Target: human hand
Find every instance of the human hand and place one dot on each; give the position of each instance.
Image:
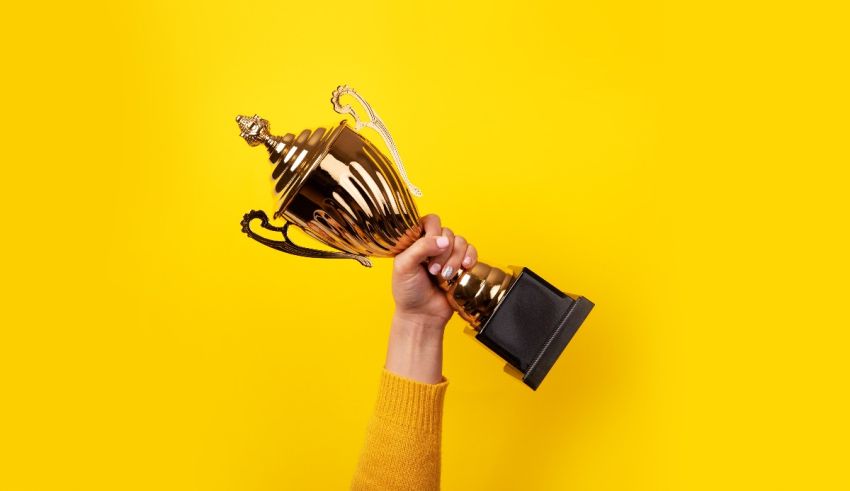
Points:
(440, 251)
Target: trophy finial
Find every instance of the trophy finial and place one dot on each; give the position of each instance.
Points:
(255, 130)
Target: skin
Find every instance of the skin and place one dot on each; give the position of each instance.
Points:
(415, 348)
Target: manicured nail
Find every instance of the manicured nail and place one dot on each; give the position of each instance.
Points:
(434, 268)
(442, 241)
(447, 272)
(467, 261)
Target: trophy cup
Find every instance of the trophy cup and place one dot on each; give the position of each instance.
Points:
(340, 189)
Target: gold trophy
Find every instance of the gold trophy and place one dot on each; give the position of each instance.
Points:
(340, 189)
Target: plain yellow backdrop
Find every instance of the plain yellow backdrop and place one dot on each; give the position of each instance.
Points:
(683, 165)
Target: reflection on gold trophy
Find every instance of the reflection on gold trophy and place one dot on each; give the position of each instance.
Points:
(339, 188)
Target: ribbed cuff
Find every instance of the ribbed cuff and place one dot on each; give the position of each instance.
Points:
(410, 403)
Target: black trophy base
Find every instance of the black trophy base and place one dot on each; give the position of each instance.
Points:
(532, 325)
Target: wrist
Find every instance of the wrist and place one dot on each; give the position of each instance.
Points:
(415, 349)
(417, 321)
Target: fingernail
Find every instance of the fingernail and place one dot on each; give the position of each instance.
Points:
(467, 261)
(434, 268)
(447, 273)
(442, 241)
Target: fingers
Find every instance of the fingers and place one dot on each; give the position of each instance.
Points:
(471, 257)
(431, 225)
(437, 263)
(409, 260)
(455, 258)
(443, 257)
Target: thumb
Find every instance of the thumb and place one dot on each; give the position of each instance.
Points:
(410, 259)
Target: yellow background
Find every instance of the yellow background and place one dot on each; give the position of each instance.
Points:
(682, 165)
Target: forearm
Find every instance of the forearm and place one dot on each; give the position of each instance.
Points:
(415, 348)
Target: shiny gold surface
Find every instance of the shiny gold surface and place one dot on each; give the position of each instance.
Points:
(343, 191)
(292, 157)
(475, 293)
(353, 200)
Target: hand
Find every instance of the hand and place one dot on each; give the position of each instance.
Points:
(417, 296)
(422, 311)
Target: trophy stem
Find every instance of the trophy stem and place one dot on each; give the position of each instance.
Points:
(474, 293)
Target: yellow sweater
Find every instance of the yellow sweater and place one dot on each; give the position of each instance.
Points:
(402, 449)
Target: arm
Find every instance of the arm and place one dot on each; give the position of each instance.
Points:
(402, 448)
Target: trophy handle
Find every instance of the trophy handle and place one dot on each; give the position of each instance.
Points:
(376, 124)
(287, 245)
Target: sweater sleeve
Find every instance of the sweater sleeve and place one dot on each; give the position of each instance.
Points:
(402, 449)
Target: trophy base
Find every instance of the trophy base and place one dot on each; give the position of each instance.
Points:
(532, 325)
